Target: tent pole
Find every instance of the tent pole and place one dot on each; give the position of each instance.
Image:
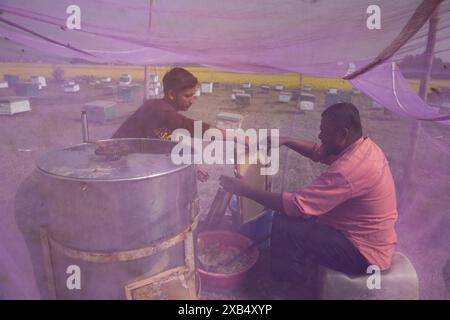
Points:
(145, 82)
(416, 125)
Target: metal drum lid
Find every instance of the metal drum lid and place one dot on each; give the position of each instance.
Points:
(136, 159)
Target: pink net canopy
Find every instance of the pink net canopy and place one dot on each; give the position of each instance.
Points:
(323, 38)
(320, 38)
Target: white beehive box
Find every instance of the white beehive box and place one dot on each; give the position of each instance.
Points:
(333, 90)
(306, 88)
(206, 87)
(101, 110)
(154, 84)
(265, 89)
(39, 80)
(284, 97)
(3, 84)
(125, 79)
(12, 105)
(227, 120)
(279, 87)
(153, 92)
(71, 87)
(242, 99)
(306, 102)
(105, 79)
(246, 85)
(234, 92)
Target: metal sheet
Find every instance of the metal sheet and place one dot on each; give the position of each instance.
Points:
(142, 159)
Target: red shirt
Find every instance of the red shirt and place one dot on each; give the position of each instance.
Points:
(155, 119)
(355, 195)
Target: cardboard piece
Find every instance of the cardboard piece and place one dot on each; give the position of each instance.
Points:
(249, 210)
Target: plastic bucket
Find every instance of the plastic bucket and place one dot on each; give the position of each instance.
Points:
(219, 280)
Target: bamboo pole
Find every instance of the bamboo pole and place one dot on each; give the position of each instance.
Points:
(416, 125)
(146, 82)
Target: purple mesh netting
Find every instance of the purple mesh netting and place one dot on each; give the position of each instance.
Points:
(387, 85)
(311, 37)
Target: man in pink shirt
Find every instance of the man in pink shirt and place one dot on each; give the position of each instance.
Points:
(344, 219)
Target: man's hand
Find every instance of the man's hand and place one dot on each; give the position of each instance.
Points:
(236, 186)
(239, 187)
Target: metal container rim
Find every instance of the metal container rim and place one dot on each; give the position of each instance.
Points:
(90, 180)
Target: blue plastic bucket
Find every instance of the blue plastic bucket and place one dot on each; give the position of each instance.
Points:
(256, 229)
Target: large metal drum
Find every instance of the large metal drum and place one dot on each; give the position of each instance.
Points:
(120, 218)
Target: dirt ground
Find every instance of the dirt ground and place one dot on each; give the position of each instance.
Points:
(424, 217)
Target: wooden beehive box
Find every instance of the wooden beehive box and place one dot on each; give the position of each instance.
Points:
(12, 105)
(101, 110)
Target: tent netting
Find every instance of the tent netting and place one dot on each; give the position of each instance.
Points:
(320, 38)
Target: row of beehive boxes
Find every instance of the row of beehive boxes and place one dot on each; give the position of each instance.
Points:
(207, 87)
(303, 97)
(125, 87)
(32, 86)
(28, 87)
(13, 80)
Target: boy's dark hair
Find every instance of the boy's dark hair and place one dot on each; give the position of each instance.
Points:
(344, 115)
(178, 79)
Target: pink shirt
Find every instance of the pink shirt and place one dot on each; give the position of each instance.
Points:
(356, 195)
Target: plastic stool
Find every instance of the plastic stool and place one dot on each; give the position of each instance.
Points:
(400, 282)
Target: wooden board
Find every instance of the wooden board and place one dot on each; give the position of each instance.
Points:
(248, 209)
(217, 210)
(174, 284)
